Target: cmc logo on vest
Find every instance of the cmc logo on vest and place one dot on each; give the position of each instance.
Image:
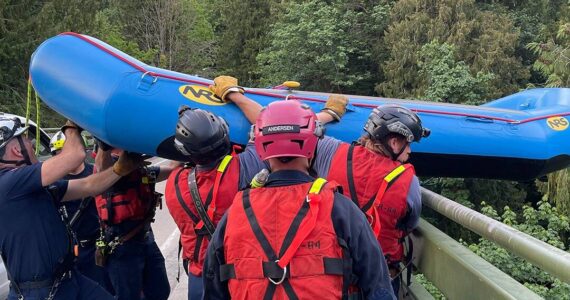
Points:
(200, 94)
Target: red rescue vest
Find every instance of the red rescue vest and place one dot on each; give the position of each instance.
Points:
(130, 198)
(379, 186)
(216, 200)
(280, 243)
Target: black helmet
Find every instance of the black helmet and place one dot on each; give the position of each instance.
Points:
(201, 135)
(387, 119)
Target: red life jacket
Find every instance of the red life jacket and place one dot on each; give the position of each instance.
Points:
(380, 188)
(130, 198)
(194, 238)
(280, 242)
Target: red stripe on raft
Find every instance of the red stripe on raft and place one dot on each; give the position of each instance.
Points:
(293, 97)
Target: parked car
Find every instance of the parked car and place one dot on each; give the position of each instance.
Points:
(42, 154)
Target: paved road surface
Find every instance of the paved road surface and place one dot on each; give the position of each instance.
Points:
(167, 234)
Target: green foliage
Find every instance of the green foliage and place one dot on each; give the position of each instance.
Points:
(545, 223)
(554, 56)
(432, 289)
(240, 28)
(24, 25)
(484, 40)
(557, 190)
(111, 34)
(448, 80)
(316, 43)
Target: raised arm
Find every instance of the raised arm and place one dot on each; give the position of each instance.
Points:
(227, 89)
(102, 180)
(334, 110)
(249, 107)
(71, 156)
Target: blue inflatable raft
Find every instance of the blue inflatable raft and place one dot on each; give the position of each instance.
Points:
(131, 105)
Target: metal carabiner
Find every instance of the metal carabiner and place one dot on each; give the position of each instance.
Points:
(282, 277)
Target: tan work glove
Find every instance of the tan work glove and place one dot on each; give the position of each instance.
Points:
(223, 85)
(336, 106)
(69, 124)
(128, 162)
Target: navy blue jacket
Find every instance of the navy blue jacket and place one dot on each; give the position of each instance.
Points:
(33, 237)
(349, 223)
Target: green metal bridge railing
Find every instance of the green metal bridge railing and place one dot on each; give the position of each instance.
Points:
(460, 274)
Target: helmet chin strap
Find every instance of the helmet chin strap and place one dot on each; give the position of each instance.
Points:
(393, 155)
(25, 161)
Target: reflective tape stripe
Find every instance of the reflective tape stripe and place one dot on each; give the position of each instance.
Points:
(224, 164)
(397, 171)
(317, 186)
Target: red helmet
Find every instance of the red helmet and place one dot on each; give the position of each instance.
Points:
(287, 129)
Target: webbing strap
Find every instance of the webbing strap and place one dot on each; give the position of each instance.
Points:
(207, 221)
(370, 208)
(386, 183)
(308, 224)
(190, 214)
(298, 231)
(350, 175)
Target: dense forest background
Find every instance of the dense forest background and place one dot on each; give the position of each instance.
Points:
(455, 51)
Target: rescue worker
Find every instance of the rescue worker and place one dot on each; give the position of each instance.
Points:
(83, 219)
(219, 173)
(127, 248)
(391, 201)
(35, 243)
(373, 173)
(296, 237)
(198, 193)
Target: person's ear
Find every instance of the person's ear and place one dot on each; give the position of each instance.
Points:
(14, 149)
(393, 143)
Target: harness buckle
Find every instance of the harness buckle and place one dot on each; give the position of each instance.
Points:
(282, 277)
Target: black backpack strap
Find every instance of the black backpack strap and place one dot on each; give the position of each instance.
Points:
(350, 175)
(190, 214)
(197, 200)
(77, 215)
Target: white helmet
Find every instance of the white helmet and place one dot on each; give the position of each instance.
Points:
(56, 142)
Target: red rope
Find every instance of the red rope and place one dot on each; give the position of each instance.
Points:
(293, 97)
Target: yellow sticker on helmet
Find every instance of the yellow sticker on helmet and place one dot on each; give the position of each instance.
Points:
(200, 94)
(557, 123)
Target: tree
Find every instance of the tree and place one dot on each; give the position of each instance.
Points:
(240, 28)
(448, 80)
(325, 45)
(546, 224)
(554, 56)
(484, 40)
(24, 25)
(176, 30)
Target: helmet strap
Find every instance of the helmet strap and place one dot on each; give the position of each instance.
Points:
(25, 153)
(26, 159)
(393, 155)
